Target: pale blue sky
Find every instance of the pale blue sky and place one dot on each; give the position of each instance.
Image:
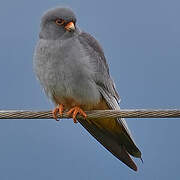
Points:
(141, 40)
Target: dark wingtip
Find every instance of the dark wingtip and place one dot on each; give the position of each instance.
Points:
(135, 169)
(125, 158)
(141, 160)
(133, 166)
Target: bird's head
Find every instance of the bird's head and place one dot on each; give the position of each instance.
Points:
(58, 22)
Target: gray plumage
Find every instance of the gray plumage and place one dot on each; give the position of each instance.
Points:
(71, 64)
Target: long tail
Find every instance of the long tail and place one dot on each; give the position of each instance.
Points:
(109, 141)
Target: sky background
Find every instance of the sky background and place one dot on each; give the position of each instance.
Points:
(141, 40)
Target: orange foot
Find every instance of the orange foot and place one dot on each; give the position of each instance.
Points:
(74, 111)
(59, 109)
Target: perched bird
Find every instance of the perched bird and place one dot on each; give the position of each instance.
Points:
(71, 67)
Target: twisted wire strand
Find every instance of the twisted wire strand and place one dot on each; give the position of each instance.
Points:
(127, 113)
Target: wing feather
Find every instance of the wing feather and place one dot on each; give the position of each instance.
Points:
(123, 142)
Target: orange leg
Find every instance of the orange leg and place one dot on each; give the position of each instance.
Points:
(59, 109)
(74, 111)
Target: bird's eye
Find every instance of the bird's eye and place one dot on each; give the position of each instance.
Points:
(59, 22)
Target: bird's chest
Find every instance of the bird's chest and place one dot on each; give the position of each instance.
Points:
(64, 71)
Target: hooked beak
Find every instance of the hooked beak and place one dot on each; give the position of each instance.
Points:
(70, 26)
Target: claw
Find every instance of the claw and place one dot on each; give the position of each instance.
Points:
(59, 109)
(74, 111)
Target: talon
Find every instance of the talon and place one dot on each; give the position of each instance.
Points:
(57, 110)
(54, 112)
(74, 111)
(61, 109)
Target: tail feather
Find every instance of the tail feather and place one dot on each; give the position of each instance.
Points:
(109, 142)
(125, 158)
(129, 144)
(125, 138)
